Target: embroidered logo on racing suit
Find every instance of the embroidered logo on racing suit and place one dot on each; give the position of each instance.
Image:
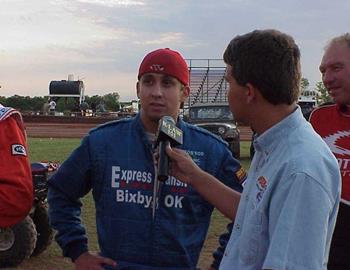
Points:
(131, 186)
(241, 175)
(339, 144)
(333, 142)
(18, 150)
(129, 176)
(2, 110)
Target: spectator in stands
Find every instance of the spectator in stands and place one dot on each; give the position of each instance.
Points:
(141, 223)
(286, 214)
(16, 188)
(332, 122)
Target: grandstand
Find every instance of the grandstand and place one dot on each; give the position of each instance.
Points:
(207, 81)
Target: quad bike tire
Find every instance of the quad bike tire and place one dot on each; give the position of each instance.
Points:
(43, 228)
(17, 243)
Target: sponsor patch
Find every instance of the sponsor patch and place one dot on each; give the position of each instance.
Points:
(18, 149)
(241, 175)
(338, 142)
(261, 183)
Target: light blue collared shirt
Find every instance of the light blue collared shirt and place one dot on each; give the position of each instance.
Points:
(289, 204)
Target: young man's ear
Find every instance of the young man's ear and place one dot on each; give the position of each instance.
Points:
(251, 93)
(185, 91)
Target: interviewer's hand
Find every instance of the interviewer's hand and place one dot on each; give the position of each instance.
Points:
(92, 261)
(182, 166)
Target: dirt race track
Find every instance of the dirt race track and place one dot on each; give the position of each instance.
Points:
(58, 130)
(52, 128)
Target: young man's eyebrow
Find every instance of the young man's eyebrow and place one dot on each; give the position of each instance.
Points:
(147, 76)
(166, 76)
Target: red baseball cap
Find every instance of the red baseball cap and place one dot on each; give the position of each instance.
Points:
(165, 61)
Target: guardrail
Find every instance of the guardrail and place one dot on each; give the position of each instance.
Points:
(78, 127)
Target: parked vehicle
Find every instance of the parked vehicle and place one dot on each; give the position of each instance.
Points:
(218, 119)
(33, 235)
(307, 102)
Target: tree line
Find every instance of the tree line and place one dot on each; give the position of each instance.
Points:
(322, 93)
(109, 102)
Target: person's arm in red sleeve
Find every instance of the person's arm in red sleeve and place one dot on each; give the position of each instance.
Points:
(16, 187)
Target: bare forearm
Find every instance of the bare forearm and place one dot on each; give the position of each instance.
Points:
(222, 197)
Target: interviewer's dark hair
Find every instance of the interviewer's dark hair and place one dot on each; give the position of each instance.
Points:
(270, 61)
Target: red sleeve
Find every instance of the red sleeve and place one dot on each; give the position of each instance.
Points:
(16, 186)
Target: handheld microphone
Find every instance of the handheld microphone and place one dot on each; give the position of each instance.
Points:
(168, 133)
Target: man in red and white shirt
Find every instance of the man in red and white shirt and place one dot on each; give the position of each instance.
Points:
(332, 123)
(16, 187)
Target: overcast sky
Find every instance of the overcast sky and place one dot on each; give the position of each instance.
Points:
(102, 42)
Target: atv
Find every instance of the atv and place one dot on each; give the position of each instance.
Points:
(32, 235)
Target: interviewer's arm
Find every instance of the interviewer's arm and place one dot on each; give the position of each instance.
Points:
(222, 197)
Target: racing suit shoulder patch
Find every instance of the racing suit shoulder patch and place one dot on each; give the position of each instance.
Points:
(241, 175)
(18, 150)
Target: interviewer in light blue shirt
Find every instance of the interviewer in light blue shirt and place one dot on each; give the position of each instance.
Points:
(285, 217)
(287, 211)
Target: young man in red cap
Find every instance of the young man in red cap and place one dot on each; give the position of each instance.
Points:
(16, 187)
(332, 122)
(141, 223)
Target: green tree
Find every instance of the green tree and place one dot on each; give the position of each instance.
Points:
(3, 101)
(26, 103)
(67, 104)
(94, 101)
(323, 93)
(23, 103)
(112, 101)
(304, 84)
(19, 102)
(36, 103)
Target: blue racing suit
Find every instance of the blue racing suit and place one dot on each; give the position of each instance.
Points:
(115, 160)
